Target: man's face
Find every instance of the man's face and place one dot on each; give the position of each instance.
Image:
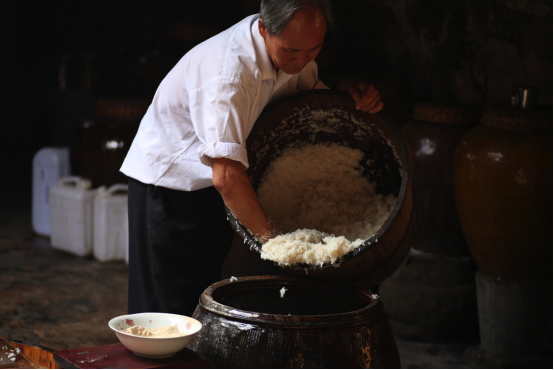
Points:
(299, 43)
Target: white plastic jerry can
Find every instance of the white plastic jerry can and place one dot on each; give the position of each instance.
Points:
(111, 238)
(49, 165)
(71, 212)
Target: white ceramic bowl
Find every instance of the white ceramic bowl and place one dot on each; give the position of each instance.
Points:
(150, 346)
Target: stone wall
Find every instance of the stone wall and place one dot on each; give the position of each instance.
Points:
(464, 51)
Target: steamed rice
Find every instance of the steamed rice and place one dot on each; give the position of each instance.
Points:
(323, 207)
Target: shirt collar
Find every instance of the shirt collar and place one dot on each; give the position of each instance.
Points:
(266, 68)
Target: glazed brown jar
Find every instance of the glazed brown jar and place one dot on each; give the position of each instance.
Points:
(102, 143)
(278, 322)
(433, 134)
(503, 185)
(329, 117)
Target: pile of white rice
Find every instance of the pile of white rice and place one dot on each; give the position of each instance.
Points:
(318, 199)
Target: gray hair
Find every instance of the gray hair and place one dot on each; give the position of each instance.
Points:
(276, 14)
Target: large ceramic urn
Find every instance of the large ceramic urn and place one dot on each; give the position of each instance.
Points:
(330, 117)
(281, 322)
(433, 134)
(503, 185)
(101, 144)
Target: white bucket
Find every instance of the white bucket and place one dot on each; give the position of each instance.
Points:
(111, 238)
(71, 212)
(49, 165)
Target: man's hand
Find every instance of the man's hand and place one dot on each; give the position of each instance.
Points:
(232, 182)
(367, 98)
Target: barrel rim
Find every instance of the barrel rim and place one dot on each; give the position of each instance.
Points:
(208, 303)
(401, 147)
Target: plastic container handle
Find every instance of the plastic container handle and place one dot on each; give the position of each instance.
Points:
(117, 187)
(112, 189)
(79, 182)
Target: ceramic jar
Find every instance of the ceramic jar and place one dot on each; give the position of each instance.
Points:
(433, 134)
(282, 322)
(503, 185)
(330, 117)
(101, 144)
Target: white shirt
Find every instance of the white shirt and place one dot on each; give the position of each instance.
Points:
(206, 106)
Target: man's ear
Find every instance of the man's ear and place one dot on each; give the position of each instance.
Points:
(262, 29)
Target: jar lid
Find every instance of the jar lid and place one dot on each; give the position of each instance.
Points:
(449, 114)
(510, 118)
(122, 108)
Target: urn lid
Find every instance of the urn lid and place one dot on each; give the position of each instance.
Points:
(449, 114)
(510, 118)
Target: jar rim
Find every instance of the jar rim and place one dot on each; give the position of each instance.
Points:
(209, 303)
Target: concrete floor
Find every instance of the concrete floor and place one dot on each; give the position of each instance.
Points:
(55, 300)
(50, 298)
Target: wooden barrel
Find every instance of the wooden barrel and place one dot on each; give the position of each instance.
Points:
(248, 323)
(328, 116)
(102, 143)
(503, 186)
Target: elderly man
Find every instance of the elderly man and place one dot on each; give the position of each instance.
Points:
(188, 158)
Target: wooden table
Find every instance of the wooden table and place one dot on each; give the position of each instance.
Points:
(26, 356)
(116, 356)
(111, 356)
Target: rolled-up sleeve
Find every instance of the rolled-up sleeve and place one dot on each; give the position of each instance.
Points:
(232, 151)
(219, 113)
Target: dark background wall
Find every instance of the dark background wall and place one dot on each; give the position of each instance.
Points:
(58, 57)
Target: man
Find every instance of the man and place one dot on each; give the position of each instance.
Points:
(188, 158)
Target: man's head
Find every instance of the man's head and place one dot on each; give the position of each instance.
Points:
(293, 31)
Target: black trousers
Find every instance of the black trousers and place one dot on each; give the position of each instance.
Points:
(178, 241)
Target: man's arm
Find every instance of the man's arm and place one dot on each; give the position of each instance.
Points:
(232, 182)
